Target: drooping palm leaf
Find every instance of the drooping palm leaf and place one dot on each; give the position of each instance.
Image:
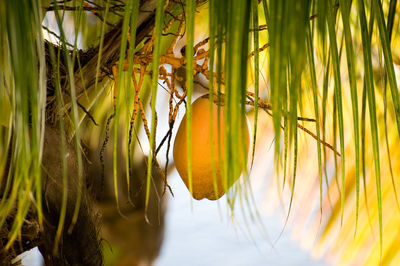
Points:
(303, 44)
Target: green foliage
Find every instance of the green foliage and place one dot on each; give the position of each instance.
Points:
(303, 40)
(23, 90)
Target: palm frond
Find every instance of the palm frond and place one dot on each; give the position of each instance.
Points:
(134, 44)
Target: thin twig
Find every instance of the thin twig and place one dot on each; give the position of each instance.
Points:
(87, 113)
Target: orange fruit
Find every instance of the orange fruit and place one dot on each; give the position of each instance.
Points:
(202, 165)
